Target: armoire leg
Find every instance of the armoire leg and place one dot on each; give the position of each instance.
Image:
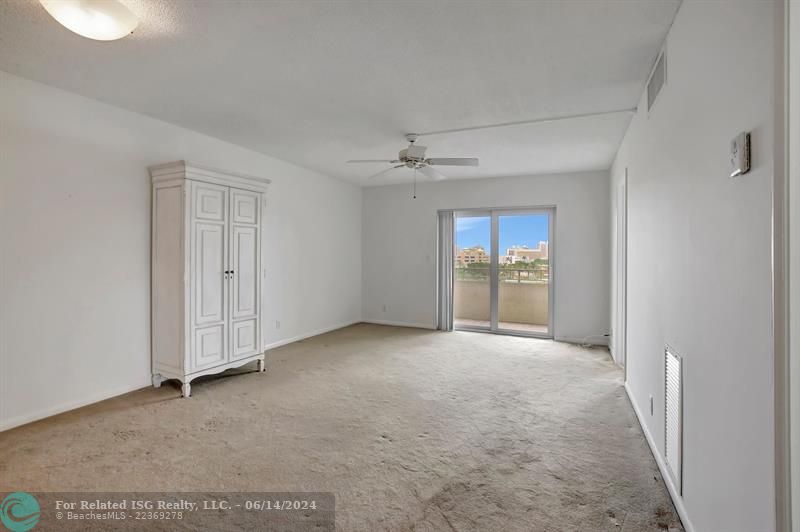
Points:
(262, 365)
(157, 380)
(186, 390)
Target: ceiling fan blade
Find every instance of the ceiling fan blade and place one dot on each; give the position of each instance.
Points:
(453, 161)
(432, 173)
(370, 161)
(373, 176)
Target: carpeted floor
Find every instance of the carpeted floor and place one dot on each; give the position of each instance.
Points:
(411, 429)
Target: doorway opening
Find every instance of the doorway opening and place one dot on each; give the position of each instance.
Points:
(503, 271)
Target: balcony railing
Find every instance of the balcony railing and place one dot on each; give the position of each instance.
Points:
(538, 274)
(523, 295)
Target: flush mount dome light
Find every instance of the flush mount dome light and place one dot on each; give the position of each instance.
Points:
(102, 20)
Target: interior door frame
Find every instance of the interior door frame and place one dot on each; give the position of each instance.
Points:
(791, 355)
(786, 267)
(494, 215)
(619, 339)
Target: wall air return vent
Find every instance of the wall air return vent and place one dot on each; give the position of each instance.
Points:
(657, 79)
(673, 416)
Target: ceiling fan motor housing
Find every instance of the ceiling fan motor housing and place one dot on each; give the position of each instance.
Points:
(414, 153)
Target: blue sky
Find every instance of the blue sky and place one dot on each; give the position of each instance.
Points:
(518, 230)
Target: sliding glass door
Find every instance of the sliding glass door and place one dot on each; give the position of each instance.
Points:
(503, 271)
(472, 307)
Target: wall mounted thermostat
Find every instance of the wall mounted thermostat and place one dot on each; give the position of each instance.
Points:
(740, 154)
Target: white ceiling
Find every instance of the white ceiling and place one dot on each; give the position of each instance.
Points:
(318, 83)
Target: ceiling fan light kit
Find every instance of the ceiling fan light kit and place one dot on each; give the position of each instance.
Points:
(413, 152)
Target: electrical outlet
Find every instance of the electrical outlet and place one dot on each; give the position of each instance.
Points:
(277, 324)
(651, 405)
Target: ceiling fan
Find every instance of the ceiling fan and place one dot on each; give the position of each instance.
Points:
(413, 158)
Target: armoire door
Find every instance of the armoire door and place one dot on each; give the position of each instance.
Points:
(245, 252)
(209, 296)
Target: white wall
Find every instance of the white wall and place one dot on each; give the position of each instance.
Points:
(699, 260)
(75, 218)
(400, 245)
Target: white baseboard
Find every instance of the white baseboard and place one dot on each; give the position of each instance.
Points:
(677, 500)
(400, 324)
(598, 341)
(72, 405)
(303, 336)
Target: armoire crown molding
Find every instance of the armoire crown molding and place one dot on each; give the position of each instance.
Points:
(186, 170)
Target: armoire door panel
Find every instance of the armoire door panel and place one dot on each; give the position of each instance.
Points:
(244, 263)
(209, 203)
(209, 264)
(244, 207)
(244, 336)
(209, 346)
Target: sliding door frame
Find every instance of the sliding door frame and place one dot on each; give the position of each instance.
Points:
(494, 215)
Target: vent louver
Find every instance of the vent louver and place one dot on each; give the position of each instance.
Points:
(673, 416)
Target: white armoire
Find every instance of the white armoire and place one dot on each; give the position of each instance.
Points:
(206, 271)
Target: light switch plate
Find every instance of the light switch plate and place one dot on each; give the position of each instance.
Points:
(740, 154)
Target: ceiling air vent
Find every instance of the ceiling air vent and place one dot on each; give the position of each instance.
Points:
(657, 79)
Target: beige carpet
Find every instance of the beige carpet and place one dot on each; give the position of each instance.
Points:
(411, 429)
